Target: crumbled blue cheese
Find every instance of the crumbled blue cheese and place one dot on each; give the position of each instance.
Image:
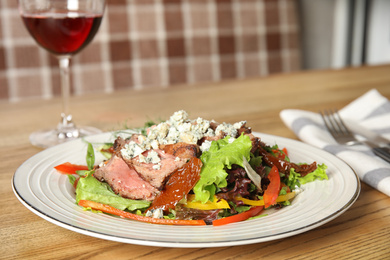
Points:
(179, 116)
(226, 128)
(205, 146)
(132, 150)
(178, 129)
(238, 125)
(155, 213)
(152, 157)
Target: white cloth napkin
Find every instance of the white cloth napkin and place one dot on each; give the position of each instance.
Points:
(371, 111)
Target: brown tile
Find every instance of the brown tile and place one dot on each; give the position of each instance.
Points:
(116, 2)
(91, 54)
(203, 71)
(92, 81)
(201, 46)
(56, 83)
(27, 57)
(274, 63)
(53, 61)
(18, 30)
(292, 41)
(250, 43)
(248, 18)
(173, 19)
(143, 2)
(122, 77)
(177, 72)
(118, 22)
(271, 13)
(273, 41)
(226, 44)
(172, 1)
(228, 68)
(175, 47)
(2, 59)
(224, 16)
(148, 49)
(200, 19)
(223, 1)
(29, 86)
(145, 20)
(294, 61)
(4, 93)
(120, 50)
(1, 30)
(151, 75)
(251, 67)
(11, 3)
(292, 12)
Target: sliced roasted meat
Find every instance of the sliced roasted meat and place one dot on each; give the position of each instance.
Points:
(124, 180)
(157, 173)
(182, 150)
(119, 144)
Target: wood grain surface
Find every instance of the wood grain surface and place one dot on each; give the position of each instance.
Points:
(362, 232)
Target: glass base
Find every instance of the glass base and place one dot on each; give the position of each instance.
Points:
(49, 138)
(65, 131)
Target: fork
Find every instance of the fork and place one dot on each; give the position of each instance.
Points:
(343, 135)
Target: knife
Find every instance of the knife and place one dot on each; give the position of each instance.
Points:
(382, 152)
(379, 145)
(367, 134)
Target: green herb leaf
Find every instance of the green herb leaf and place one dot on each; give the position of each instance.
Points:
(90, 157)
(71, 178)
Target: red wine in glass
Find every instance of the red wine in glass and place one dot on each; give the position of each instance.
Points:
(63, 28)
(62, 33)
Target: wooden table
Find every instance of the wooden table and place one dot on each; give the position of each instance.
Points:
(362, 231)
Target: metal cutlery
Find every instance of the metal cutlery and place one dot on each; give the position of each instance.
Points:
(343, 135)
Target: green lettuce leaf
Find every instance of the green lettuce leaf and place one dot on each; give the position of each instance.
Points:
(318, 174)
(221, 155)
(89, 188)
(295, 179)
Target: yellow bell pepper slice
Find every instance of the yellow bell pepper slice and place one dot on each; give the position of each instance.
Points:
(281, 198)
(216, 204)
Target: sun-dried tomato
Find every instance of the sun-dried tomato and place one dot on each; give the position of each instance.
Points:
(178, 185)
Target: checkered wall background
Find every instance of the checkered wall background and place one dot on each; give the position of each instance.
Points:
(156, 43)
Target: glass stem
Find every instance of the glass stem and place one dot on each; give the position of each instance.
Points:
(66, 128)
(65, 84)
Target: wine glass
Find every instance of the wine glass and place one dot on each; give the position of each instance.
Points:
(64, 28)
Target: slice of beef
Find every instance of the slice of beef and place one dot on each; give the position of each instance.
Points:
(157, 174)
(119, 144)
(182, 150)
(124, 180)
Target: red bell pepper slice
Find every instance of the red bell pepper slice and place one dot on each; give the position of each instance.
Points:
(254, 211)
(114, 211)
(273, 189)
(280, 154)
(69, 168)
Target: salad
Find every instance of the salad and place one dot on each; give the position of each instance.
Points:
(189, 172)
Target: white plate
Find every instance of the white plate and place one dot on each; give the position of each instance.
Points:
(50, 195)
